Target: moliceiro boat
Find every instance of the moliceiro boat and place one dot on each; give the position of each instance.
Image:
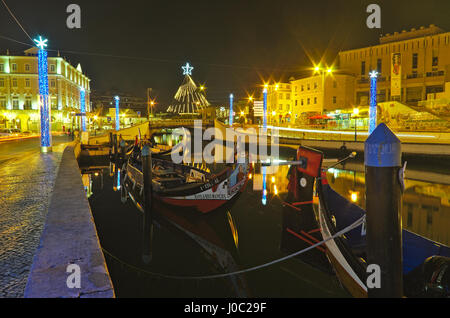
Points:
(426, 264)
(182, 185)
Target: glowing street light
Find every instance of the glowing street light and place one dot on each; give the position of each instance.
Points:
(355, 115)
(117, 99)
(231, 110)
(373, 101)
(44, 109)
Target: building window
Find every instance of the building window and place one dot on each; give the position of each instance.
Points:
(334, 84)
(27, 67)
(379, 66)
(302, 102)
(281, 95)
(414, 60)
(27, 82)
(2, 82)
(52, 68)
(435, 61)
(2, 103)
(315, 100)
(14, 67)
(54, 103)
(2, 67)
(303, 88)
(315, 85)
(52, 83)
(14, 82)
(27, 104)
(296, 102)
(363, 68)
(308, 87)
(409, 220)
(15, 103)
(308, 101)
(288, 96)
(334, 99)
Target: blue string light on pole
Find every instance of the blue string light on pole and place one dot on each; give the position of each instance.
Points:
(83, 108)
(265, 108)
(44, 107)
(231, 110)
(373, 101)
(117, 99)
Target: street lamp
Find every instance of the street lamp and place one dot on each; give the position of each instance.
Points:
(373, 101)
(355, 115)
(328, 71)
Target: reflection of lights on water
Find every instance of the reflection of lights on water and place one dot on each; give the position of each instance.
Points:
(233, 229)
(275, 190)
(273, 179)
(250, 176)
(96, 174)
(264, 198)
(118, 179)
(354, 196)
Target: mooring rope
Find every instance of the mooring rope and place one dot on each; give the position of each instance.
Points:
(341, 232)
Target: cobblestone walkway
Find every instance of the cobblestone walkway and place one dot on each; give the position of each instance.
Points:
(26, 183)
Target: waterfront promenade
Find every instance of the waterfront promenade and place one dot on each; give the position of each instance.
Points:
(26, 183)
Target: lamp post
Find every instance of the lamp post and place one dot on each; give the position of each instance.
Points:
(117, 99)
(265, 107)
(231, 110)
(373, 101)
(44, 109)
(149, 103)
(83, 109)
(355, 115)
(323, 72)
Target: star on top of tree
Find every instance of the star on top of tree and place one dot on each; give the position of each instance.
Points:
(187, 69)
(41, 43)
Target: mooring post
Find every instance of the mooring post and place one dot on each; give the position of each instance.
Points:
(148, 216)
(382, 159)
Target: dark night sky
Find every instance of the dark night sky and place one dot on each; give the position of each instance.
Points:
(233, 44)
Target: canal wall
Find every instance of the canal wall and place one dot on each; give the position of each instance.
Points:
(69, 237)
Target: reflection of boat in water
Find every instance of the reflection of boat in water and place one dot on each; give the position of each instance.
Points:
(182, 185)
(220, 243)
(426, 264)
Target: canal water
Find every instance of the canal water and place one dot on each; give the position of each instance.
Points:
(247, 232)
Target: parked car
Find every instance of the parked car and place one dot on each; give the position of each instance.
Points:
(6, 132)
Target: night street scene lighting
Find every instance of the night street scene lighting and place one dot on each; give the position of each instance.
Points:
(224, 157)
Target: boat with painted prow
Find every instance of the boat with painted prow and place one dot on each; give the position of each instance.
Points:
(426, 264)
(183, 185)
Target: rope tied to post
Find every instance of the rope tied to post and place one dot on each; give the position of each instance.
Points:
(250, 269)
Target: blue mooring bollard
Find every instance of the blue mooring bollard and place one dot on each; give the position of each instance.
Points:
(148, 217)
(382, 159)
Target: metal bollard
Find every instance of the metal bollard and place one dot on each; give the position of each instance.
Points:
(148, 215)
(383, 205)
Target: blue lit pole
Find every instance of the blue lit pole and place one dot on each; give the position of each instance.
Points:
(83, 109)
(231, 110)
(265, 108)
(117, 99)
(373, 102)
(44, 107)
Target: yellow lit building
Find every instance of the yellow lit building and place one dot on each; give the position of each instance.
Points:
(322, 93)
(279, 105)
(19, 91)
(411, 65)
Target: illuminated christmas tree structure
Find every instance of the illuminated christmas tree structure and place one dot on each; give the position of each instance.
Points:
(189, 99)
